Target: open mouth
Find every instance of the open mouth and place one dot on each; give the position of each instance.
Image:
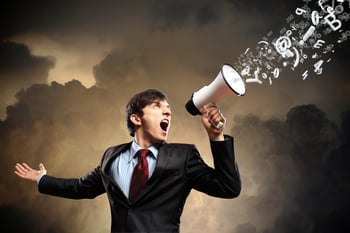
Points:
(164, 124)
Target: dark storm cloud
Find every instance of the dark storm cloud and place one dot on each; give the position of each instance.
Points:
(55, 102)
(35, 16)
(310, 133)
(308, 156)
(17, 17)
(17, 58)
(67, 127)
(176, 14)
(263, 6)
(259, 17)
(92, 16)
(169, 15)
(117, 67)
(20, 69)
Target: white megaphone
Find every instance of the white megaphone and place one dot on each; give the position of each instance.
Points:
(227, 82)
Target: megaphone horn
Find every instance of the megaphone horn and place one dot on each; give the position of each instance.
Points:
(227, 82)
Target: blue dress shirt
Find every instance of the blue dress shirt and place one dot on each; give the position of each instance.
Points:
(123, 166)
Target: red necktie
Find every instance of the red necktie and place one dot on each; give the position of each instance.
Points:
(139, 176)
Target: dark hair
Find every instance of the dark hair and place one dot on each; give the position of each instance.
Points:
(138, 102)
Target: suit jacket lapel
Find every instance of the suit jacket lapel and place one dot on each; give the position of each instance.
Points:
(111, 154)
(163, 158)
(106, 166)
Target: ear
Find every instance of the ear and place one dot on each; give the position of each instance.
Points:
(135, 119)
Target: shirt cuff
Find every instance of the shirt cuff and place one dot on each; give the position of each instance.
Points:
(39, 178)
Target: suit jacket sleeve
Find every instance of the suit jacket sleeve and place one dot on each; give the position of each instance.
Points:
(221, 181)
(88, 186)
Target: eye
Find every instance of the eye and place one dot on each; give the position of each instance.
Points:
(156, 105)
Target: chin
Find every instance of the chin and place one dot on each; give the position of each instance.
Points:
(161, 139)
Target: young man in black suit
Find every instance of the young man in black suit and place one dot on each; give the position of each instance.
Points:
(170, 170)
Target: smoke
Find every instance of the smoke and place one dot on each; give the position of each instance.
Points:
(298, 172)
(173, 15)
(67, 127)
(121, 68)
(20, 69)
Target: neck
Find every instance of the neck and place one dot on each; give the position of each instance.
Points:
(142, 143)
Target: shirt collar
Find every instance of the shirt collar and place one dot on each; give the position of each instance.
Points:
(135, 148)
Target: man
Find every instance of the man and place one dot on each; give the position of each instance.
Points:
(171, 170)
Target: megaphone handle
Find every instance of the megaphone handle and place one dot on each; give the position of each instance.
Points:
(220, 124)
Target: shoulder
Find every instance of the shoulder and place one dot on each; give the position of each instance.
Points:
(178, 145)
(179, 148)
(113, 151)
(118, 148)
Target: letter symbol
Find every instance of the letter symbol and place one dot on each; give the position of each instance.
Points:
(332, 21)
(319, 44)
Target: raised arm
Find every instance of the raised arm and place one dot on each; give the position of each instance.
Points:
(224, 179)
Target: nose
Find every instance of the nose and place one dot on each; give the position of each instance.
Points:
(166, 111)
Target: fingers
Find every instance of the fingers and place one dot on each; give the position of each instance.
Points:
(27, 167)
(215, 117)
(42, 168)
(26, 172)
(21, 168)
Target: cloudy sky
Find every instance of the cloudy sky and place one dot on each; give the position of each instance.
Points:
(67, 69)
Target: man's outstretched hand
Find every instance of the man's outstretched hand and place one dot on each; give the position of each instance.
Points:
(26, 172)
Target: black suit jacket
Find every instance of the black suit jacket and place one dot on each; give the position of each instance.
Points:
(159, 206)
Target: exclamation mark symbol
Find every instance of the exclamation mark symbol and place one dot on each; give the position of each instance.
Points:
(307, 35)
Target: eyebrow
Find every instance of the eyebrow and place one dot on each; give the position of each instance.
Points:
(158, 102)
